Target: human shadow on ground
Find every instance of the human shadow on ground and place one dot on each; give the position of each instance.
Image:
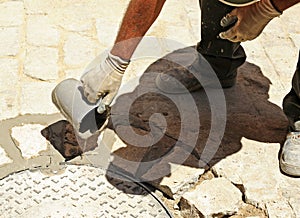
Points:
(154, 125)
(158, 133)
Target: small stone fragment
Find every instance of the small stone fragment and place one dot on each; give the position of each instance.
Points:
(29, 140)
(212, 198)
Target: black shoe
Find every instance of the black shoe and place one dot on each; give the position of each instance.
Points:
(196, 71)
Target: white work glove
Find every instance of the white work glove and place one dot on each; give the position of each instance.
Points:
(104, 79)
(251, 20)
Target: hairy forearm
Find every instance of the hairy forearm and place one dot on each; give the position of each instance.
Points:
(139, 17)
(282, 5)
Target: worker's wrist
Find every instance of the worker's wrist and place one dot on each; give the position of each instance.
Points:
(117, 63)
(276, 7)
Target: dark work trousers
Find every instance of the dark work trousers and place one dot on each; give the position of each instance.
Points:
(291, 102)
(224, 56)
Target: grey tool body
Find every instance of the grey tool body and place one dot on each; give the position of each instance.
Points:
(84, 116)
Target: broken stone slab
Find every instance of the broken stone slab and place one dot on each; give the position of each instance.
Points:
(217, 197)
(29, 140)
(9, 81)
(256, 168)
(290, 191)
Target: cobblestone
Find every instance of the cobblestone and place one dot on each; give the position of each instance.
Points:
(41, 31)
(9, 73)
(9, 104)
(39, 6)
(11, 13)
(79, 50)
(8, 88)
(45, 66)
(36, 98)
(9, 41)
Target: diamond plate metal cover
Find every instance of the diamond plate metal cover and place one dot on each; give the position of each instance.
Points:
(81, 191)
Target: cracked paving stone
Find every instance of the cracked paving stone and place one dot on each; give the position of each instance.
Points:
(212, 198)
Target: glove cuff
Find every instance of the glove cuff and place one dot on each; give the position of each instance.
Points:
(117, 63)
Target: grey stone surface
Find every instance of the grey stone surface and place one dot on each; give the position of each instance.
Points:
(9, 104)
(212, 198)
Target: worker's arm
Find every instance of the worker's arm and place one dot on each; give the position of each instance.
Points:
(105, 79)
(252, 19)
(138, 18)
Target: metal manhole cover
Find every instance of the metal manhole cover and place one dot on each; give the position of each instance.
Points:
(81, 191)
